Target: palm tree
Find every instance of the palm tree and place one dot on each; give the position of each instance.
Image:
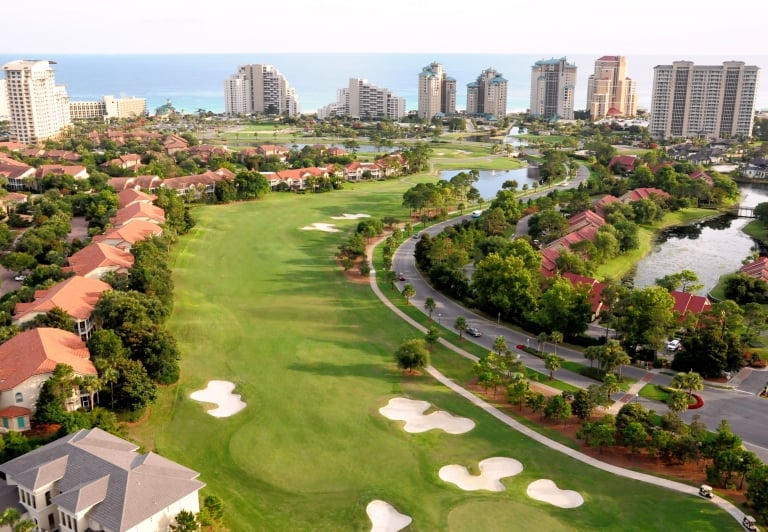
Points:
(552, 363)
(408, 292)
(430, 305)
(541, 339)
(500, 344)
(556, 337)
(460, 325)
(690, 381)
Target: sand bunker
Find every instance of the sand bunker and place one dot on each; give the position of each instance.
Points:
(491, 471)
(328, 228)
(547, 491)
(385, 518)
(220, 394)
(346, 216)
(412, 412)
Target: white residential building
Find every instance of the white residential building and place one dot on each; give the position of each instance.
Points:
(553, 86)
(109, 107)
(259, 89)
(712, 101)
(5, 112)
(92, 480)
(437, 92)
(39, 108)
(364, 100)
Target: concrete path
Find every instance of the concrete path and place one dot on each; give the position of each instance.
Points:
(504, 418)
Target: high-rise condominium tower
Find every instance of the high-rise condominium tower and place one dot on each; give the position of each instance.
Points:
(360, 99)
(703, 101)
(39, 108)
(610, 93)
(259, 89)
(553, 83)
(488, 94)
(437, 92)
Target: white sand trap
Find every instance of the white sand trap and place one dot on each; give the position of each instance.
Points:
(319, 226)
(220, 394)
(412, 412)
(385, 518)
(491, 471)
(547, 491)
(346, 216)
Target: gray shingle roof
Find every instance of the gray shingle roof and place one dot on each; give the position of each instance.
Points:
(97, 470)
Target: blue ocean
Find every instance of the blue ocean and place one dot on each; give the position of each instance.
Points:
(196, 81)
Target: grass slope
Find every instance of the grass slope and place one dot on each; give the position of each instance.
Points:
(259, 302)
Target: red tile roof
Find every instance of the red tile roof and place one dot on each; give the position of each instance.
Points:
(758, 268)
(129, 234)
(129, 195)
(138, 211)
(77, 296)
(595, 289)
(99, 256)
(627, 161)
(643, 193)
(37, 351)
(685, 302)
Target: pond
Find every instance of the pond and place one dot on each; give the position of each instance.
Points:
(710, 248)
(513, 139)
(491, 180)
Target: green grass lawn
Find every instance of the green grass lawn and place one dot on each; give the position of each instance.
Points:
(260, 302)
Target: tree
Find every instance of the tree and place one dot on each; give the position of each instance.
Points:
(552, 362)
(564, 307)
(684, 281)
(11, 518)
(556, 337)
(678, 401)
(212, 510)
(430, 305)
(408, 292)
(134, 389)
(690, 381)
(557, 408)
(185, 522)
(757, 491)
(412, 355)
(635, 436)
(432, 337)
(460, 324)
(518, 390)
(500, 345)
(18, 262)
(583, 404)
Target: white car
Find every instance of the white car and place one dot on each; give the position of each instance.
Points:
(673, 345)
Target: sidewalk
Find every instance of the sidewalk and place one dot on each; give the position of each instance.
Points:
(725, 505)
(630, 394)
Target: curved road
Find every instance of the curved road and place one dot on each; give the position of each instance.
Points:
(725, 505)
(746, 412)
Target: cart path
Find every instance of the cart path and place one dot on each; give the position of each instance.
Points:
(725, 505)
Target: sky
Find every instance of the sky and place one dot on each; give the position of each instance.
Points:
(556, 27)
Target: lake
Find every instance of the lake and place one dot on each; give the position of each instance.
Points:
(710, 248)
(491, 180)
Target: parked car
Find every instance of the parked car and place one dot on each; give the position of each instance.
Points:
(19, 278)
(401, 276)
(474, 331)
(673, 345)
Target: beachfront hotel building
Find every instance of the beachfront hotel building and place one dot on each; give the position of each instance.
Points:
(437, 92)
(361, 99)
(259, 89)
(708, 101)
(108, 107)
(487, 95)
(39, 109)
(610, 93)
(553, 85)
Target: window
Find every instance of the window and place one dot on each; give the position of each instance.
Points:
(20, 421)
(48, 498)
(19, 397)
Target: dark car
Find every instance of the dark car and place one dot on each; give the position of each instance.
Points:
(474, 331)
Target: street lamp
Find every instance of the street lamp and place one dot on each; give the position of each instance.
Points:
(636, 396)
(438, 318)
(498, 319)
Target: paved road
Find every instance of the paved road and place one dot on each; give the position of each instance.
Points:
(746, 413)
(725, 505)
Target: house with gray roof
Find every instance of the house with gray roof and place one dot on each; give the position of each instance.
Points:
(92, 480)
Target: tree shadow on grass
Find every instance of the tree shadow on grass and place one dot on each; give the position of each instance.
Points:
(326, 369)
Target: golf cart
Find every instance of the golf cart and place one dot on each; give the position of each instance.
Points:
(749, 523)
(705, 491)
